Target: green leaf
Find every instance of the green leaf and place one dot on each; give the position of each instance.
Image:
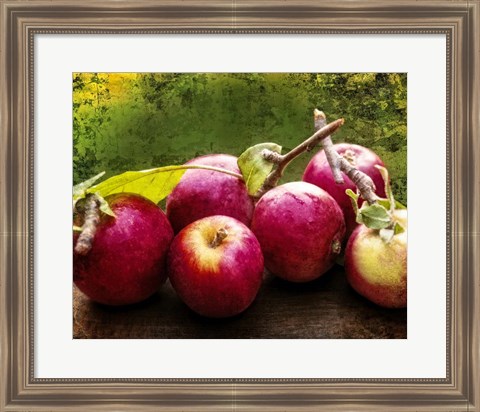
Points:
(79, 190)
(388, 188)
(354, 198)
(375, 216)
(386, 204)
(154, 184)
(398, 205)
(398, 228)
(104, 206)
(254, 167)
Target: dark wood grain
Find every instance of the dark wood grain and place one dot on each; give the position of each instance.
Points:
(324, 309)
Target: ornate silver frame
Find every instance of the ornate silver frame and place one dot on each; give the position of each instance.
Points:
(21, 21)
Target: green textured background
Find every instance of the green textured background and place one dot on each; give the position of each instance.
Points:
(127, 121)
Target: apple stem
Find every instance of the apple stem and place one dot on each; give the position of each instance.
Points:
(336, 246)
(219, 236)
(89, 227)
(339, 164)
(282, 161)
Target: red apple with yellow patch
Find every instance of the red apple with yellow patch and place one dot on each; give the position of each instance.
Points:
(216, 266)
(377, 269)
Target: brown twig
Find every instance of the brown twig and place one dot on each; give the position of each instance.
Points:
(338, 164)
(282, 161)
(327, 144)
(89, 227)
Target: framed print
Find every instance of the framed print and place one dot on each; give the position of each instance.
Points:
(140, 89)
(318, 305)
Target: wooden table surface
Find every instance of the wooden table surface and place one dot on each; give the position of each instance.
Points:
(323, 309)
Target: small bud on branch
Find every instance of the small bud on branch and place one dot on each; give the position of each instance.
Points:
(272, 156)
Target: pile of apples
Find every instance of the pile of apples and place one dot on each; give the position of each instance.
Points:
(214, 240)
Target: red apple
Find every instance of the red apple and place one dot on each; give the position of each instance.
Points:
(216, 265)
(318, 172)
(202, 193)
(127, 261)
(376, 269)
(300, 228)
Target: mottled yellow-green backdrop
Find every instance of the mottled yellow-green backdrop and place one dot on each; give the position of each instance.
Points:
(135, 121)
